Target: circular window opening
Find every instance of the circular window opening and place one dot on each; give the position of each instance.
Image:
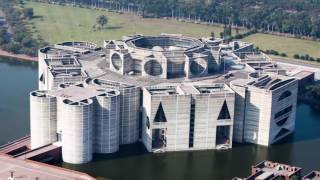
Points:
(153, 68)
(116, 61)
(198, 66)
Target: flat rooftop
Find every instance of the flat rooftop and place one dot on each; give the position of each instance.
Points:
(268, 82)
(303, 74)
(63, 62)
(68, 72)
(78, 93)
(29, 170)
(188, 89)
(163, 90)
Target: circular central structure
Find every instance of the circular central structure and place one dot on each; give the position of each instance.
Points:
(165, 43)
(164, 56)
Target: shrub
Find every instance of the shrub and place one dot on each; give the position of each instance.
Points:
(296, 56)
(283, 55)
(307, 56)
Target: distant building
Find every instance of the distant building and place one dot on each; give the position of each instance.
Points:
(314, 175)
(14, 169)
(171, 92)
(267, 170)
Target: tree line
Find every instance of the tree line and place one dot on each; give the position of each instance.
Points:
(296, 17)
(17, 37)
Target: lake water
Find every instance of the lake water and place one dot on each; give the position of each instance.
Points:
(302, 149)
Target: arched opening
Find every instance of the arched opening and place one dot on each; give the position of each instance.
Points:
(116, 61)
(198, 66)
(153, 68)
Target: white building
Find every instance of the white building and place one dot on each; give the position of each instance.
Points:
(187, 117)
(170, 92)
(265, 109)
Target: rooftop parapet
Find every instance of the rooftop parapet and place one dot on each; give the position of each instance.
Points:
(79, 92)
(264, 81)
(80, 47)
(165, 43)
(62, 62)
(68, 72)
(188, 89)
(212, 42)
(109, 84)
(163, 90)
(51, 52)
(213, 88)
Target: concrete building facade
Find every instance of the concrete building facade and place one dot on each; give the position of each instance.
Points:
(171, 92)
(44, 119)
(266, 109)
(187, 117)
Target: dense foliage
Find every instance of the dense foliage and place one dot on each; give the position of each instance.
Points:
(17, 38)
(297, 17)
(315, 91)
(311, 95)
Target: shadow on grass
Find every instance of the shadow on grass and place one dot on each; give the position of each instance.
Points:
(109, 28)
(37, 17)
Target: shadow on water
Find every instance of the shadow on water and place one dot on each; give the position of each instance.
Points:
(13, 62)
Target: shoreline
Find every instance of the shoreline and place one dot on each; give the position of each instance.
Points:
(23, 57)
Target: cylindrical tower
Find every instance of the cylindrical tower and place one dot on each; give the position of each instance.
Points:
(77, 131)
(107, 122)
(129, 114)
(43, 118)
(129, 109)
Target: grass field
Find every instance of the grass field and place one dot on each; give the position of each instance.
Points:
(56, 23)
(60, 23)
(290, 46)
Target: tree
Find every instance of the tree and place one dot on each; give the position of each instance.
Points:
(227, 31)
(296, 56)
(212, 35)
(27, 13)
(3, 36)
(283, 55)
(102, 20)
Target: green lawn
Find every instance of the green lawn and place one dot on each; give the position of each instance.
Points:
(62, 23)
(290, 46)
(56, 23)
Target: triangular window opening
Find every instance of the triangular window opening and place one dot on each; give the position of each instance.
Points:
(281, 133)
(160, 116)
(41, 78)
(224, 112)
